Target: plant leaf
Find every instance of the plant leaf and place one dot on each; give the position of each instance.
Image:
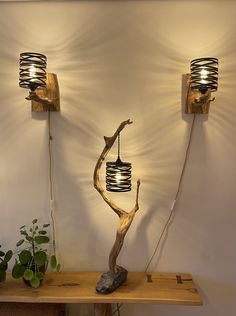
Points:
(41, 239)
(40, 258)
(35, 282)
(29, 238)
(2, 276)
(53, 262)
(40, 275)
(18, 271)
(28, 275)
(8, 255)
(34, 221)
(42, 232)
(46, 225)
(20, 242)
(22, 227)
(25, 256)
(2, 253)
(3, 266)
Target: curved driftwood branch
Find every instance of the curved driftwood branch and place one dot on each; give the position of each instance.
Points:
(33, 96)
(125, 222)
(126, 218)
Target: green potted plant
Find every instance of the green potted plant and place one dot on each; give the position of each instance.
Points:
(4, 259)
(32, 261)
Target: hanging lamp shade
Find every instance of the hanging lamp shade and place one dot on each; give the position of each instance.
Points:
(32, 70)
(118, 174)
(204, 74)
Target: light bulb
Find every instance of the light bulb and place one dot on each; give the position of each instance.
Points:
(203, 74)
(118, 177)
(32, 71)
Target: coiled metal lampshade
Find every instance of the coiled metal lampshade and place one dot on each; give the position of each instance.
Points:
(204, 74)
(118, 174)
(32, 70)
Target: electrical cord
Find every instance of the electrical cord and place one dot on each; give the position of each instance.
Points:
(51, 186)
(172, 209)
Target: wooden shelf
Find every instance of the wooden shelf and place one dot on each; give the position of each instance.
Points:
(79, 287)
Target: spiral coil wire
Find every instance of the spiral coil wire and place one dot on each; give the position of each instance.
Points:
(204, 74)
(118, 176)
(32, 70)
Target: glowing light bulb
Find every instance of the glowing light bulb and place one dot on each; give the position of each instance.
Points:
(32, 71)
(203, 74)
(118, 177)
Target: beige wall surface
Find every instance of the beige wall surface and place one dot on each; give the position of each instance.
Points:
(117, 60)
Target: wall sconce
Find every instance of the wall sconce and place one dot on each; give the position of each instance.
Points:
(118, 174)
(44, 88)
(200, 83)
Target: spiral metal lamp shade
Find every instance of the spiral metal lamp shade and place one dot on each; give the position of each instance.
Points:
(118, 174)
(32, 70)
(204, 74)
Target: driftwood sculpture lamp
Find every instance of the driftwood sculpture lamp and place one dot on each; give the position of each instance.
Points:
(44, 89)
(200, 83)
(118, 176)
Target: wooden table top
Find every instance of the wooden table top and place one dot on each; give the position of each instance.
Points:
(79, 287)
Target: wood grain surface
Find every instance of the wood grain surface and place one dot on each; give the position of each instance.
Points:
(79, 287)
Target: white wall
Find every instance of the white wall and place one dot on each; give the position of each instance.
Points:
(117, 60)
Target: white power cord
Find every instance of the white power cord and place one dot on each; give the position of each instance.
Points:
(51, 186)
(172, 209)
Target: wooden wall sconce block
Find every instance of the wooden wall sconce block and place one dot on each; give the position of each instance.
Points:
(197, 102)
(44, 99)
